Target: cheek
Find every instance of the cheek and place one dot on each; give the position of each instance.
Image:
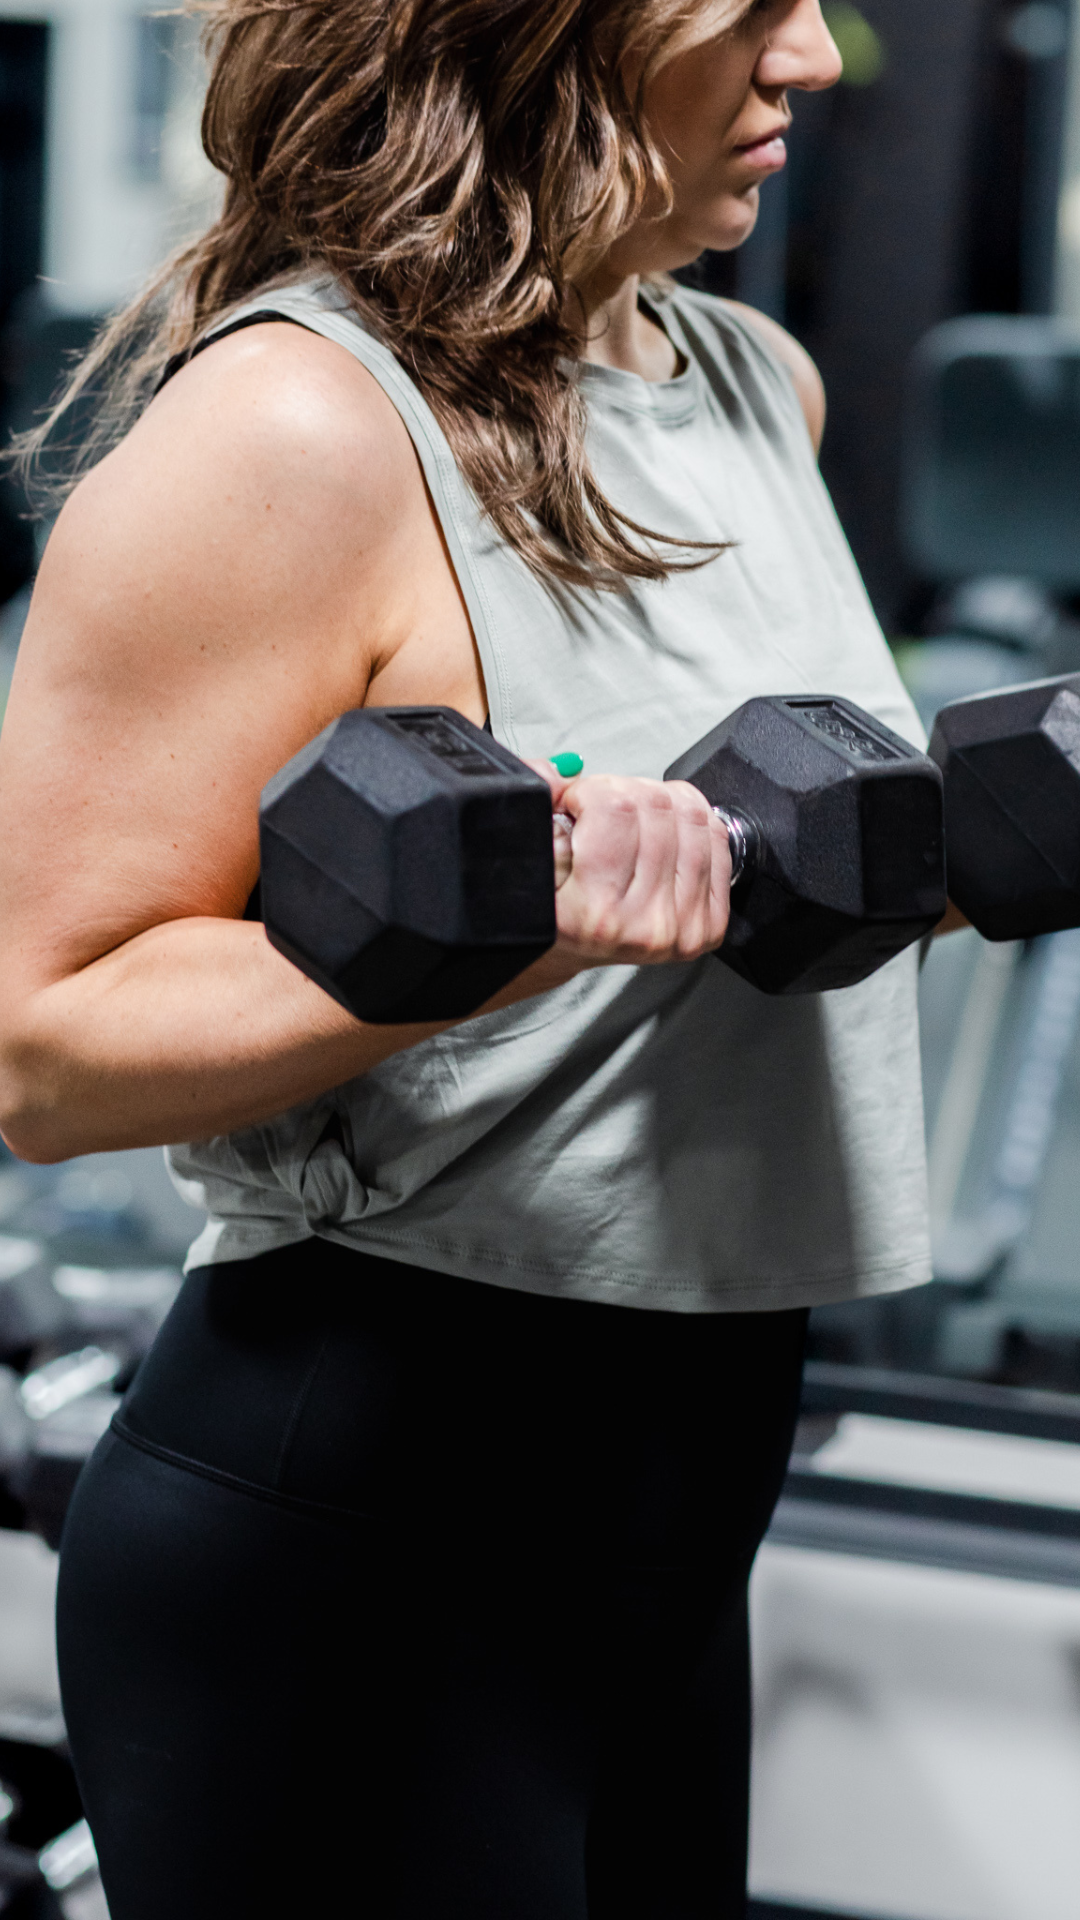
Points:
(692, 108)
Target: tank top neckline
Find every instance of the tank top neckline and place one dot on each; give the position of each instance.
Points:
(668, 402)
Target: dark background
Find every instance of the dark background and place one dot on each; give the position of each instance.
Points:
(929, 192)
(23, 72)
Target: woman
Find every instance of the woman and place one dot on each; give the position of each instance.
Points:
(412, 1579)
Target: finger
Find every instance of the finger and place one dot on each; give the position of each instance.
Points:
(605, 851)
(559, 778)
(606, 843)
(651, 916)
(557, 781)
(703, 886)
(560, 772)
(719, 912)
(693, 865)
(702, 843)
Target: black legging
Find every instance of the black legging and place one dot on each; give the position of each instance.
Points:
(407, 1598)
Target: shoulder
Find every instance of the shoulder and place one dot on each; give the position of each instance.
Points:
(734, 317)
(805, 377)
(276, 412)
(268, 489)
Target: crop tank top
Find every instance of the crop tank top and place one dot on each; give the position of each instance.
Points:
(662, 1137)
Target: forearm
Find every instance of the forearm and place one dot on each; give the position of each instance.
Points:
(194, 1028)
(198, 1026)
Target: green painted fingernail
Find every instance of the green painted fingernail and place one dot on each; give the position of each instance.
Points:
(568, 764)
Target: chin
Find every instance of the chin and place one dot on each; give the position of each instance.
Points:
(735, 221)
(730, 225)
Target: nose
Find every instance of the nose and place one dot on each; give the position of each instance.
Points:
(800, 52)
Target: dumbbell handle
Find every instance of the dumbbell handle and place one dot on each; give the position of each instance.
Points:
(744, 840)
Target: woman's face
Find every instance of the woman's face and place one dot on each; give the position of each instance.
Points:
(718, 112)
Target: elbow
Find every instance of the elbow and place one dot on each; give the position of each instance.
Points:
(31, 1122)
(31, 1145)
(23, 1133)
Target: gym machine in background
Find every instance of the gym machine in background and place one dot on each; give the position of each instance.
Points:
(23, 55)
(991, 518)
(941, 1429)
(89, 1264)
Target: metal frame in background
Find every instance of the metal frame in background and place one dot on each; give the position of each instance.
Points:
(972, 1533)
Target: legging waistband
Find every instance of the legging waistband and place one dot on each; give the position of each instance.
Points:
(331, 1378)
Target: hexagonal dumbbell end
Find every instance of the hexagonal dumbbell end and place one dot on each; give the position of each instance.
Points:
(837, 840)
(1011, 766)
(407, 863)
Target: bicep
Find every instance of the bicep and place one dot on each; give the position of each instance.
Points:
(192, 626)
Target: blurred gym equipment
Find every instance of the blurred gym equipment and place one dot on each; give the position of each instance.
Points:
(58, 1881)
(89, 1266)
(992, 482)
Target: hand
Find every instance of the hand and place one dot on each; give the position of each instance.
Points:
(649, 874)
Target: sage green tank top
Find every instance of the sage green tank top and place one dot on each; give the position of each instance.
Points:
(662, 1137)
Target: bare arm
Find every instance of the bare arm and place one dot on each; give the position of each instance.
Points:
(248, 564)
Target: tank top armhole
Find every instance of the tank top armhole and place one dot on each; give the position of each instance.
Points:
(180, 360)
(458, 511)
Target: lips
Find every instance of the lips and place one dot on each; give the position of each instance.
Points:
(768, 152)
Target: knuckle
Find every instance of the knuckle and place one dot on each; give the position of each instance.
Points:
(617, 798)
(690, 798)
(690, 944)
(652, 796)
(694, 807)
(601, 922)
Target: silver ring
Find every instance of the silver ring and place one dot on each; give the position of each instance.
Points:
(737, 841)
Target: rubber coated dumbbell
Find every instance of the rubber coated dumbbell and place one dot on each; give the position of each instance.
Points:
(1011, 768)
(407, 863)
(408, 868)
(837, 840)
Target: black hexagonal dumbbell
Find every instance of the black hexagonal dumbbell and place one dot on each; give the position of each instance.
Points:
(1011, 768)
(837, 840)
(407, 861)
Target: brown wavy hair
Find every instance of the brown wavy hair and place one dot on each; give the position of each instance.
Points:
(458, 165)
